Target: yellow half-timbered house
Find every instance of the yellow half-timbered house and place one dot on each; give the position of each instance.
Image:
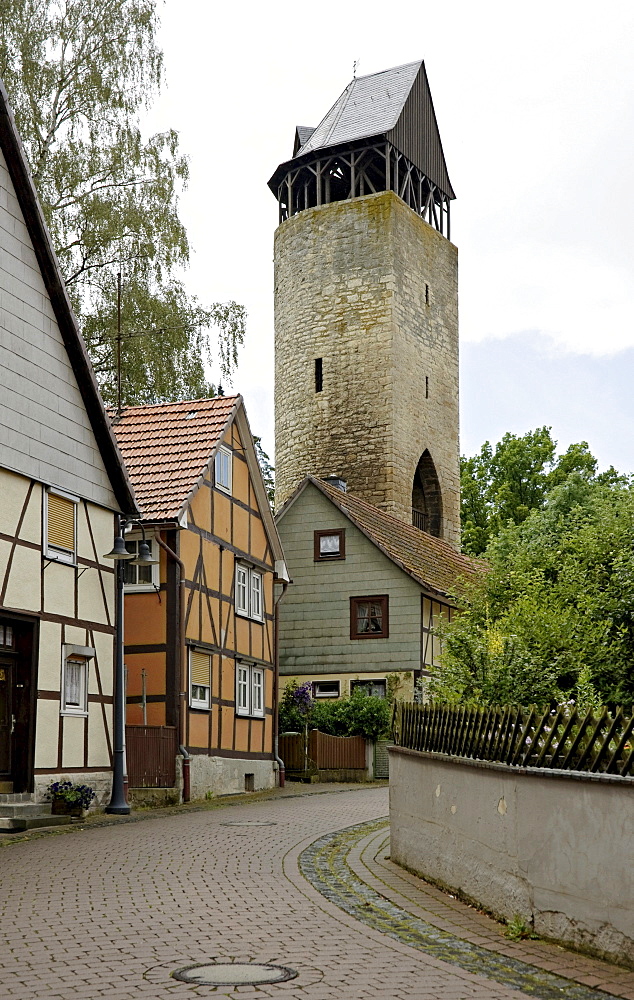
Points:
(200, 623)
(62, 484)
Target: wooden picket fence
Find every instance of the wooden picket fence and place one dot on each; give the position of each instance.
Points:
(562, 738)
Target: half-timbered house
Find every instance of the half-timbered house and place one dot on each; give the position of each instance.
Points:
(62, 484)
(199, 625)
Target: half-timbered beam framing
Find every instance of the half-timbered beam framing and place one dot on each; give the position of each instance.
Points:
(352, 173)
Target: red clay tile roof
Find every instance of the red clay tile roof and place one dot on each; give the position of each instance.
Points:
(167, 446)
(431, 561)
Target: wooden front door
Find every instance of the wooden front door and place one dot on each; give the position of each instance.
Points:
(6, 717)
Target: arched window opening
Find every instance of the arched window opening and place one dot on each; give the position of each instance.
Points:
(426, 497)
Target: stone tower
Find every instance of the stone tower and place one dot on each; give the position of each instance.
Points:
(366, 305)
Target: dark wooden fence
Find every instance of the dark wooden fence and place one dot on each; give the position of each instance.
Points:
(323, 752)
(331, 752)
(562, 738)
(151, 756)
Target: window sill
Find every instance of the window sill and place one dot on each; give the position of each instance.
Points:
(59, 557)
(251, 618)
(73, 715)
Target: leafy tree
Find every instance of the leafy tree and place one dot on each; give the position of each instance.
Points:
(554, 615)
(79, 73)
(267, 470)
(503, 485)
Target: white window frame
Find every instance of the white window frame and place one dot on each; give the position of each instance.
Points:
(138, 588)
(250, 689)
(223, 483)
(80, 655)
(249, 592)
(326, 694)
(202, 703)
(52, 551)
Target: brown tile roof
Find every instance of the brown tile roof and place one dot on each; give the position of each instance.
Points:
(166, 447)
(432, 562)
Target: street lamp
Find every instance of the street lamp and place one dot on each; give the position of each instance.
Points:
(120, 554)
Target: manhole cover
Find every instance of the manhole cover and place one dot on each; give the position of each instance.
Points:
(249, 822)
(234, 974)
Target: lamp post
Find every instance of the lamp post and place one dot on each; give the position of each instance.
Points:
(120, 554)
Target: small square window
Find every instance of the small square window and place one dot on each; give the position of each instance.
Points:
(249, 690)
(199, 679)
(222, 469)
(329, 545)
(369, 617)
(326, 689)
(60, 526)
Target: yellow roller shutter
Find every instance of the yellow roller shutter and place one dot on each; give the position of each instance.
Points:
(61, 522)
(200, 666)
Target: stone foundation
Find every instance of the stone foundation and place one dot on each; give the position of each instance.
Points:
(228, 776)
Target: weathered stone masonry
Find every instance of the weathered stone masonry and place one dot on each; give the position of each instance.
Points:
(370, 288)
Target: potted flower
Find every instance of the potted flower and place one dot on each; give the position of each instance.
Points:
(69, 798)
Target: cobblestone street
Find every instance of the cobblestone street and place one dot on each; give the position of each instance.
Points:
(300, 880)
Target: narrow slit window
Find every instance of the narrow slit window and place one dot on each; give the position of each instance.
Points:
(319, 374)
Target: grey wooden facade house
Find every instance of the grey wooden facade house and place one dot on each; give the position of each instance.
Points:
(367, 592)
(62, 484)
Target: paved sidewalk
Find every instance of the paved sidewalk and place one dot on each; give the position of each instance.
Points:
(112, 911)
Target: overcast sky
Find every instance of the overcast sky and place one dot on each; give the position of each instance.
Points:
(535, 105)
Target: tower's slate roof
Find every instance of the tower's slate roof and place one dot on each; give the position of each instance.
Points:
(394, 104)
(370, 105)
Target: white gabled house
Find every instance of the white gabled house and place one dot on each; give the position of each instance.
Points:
(62, 484)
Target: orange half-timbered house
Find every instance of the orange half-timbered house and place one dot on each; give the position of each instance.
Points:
(199, 625)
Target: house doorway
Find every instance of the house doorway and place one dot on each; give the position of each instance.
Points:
(6, 714)
(17, 708)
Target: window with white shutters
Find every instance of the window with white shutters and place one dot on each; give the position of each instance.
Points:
(199, 679)
(242, 590)
(60, 526)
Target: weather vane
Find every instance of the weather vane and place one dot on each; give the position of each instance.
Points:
(355, 67)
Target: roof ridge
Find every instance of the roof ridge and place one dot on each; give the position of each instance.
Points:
(176, 402)
(378, 72)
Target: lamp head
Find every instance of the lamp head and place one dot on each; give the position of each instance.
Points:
(144, 558)
(119, 550)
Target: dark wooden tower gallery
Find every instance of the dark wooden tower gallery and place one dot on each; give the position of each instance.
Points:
(366, 304)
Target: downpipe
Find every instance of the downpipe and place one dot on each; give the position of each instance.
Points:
(281, 767)
(186, 777)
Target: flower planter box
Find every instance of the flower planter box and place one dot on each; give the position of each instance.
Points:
(60, 807)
